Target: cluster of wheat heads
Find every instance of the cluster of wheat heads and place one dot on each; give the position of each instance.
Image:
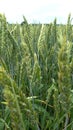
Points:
(36, 76)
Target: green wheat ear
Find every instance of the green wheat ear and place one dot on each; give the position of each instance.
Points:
(64, 74)
(64, 79)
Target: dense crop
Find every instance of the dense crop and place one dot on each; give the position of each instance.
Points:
(36, 76)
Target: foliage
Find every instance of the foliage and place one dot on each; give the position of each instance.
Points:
(36, 76)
